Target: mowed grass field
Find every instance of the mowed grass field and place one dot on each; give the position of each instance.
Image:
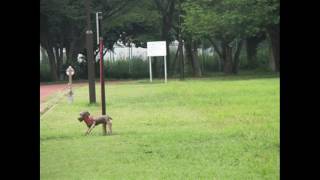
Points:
(211, 128)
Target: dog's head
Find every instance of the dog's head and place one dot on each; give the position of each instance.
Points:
(83, 115)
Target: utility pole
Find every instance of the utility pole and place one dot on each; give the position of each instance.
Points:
(90, 56)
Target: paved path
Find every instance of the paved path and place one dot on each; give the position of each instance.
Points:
(48, 90)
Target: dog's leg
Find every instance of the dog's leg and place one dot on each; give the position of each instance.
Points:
(90, 129)
(104, 128)
(110, 127)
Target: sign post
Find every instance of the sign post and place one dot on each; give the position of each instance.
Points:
(70, 73)
(157, 48)
(150, 69)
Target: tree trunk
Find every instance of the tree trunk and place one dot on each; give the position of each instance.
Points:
(236, 63)
(58, 56)
(167, 12)
(221, 53)
(271, 59)
(189, 53)
(195, 60)
(168, 57)
(70, 52)
(67, 53)
(227, 58)
(44, 59)
(274, 34)
(181, 60)
(251, 48)
(164, 34)
(192, 52)
(52, 62)
(175, 61)
(60, 61)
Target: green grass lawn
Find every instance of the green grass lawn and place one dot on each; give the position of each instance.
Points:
(212, 128)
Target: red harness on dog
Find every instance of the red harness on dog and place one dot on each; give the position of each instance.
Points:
(89, 121)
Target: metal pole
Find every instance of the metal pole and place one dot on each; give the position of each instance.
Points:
(103, 101)
(150, 69)
(165, 69)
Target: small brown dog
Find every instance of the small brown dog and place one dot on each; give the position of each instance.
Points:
(91, 122)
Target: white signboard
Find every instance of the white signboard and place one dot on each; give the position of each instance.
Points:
(156, 48)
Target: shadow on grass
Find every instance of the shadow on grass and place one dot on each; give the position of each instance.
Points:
(217, 77)
(93, 104)
(147, 81)
(75, 136)
(60, 137)
(238, 77)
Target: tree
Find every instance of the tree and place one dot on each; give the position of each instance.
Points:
(265, 18)
(167, 9)
(47, 43)
(226, 23)
(252, 43)
(142, 23)
(57, 30)
(62, 25)
(221, 25)
(191, 46)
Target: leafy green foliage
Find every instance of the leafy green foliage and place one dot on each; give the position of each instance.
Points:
(139, 25)
(227, 19)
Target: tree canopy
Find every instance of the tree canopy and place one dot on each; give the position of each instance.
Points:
(226, 24)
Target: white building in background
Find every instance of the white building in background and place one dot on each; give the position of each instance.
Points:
(122, 52)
